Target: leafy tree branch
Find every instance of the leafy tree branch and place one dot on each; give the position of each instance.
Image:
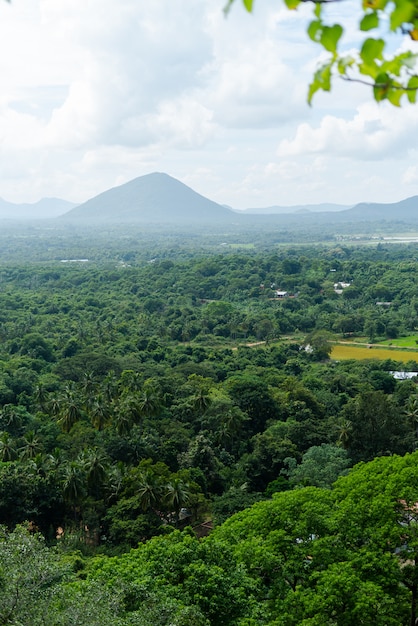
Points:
(390, 75)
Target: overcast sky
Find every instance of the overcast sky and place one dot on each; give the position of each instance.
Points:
(94, 93)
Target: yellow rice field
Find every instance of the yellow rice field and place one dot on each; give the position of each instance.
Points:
(341, 352)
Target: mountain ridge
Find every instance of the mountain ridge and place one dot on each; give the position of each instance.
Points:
(159, 198)
(45, 208)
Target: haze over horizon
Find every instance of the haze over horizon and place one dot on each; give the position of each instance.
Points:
(96, 94)
(159, 198)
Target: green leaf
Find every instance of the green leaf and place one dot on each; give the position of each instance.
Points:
(315, 29)
(394, 96)
(369, 70)
(399, 62)
(313, 88)
(372, 49)
(344, 63)
(409, 60)
(412, 86)
(401, 14)
(369, 21)
(377, 5)
(318, 10)
(325, 74)
(330, 37)
(381, 87)
(228, 6)
(248, 5)
(322, 80)
(292, 4)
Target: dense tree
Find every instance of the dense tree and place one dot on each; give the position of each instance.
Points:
(26, 494)
(320, 466)
(222, 416)
(376, 426)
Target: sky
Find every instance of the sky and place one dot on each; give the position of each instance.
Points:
(94, 93)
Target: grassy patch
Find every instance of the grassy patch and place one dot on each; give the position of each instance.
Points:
(343, 352)
(403, 342)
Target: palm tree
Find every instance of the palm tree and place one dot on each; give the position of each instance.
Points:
(13, 418)
(41, 464)
(54, 405)
(150, 491)
(7, 449)
(70, 411)
(127, 413)
(201, 398)
(41, 396)
(177, 496)
(150, 399)
(344, 435)
(115, 478)
(73, 482)
(100, 412)
(122, 421)
(56, 459)
(109, 387)
(88, 386)
(231, 425)
(95, 464)
(31, 446)
(130, 381)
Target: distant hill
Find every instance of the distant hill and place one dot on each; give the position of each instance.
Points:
(297, 208)
(151, 198)
(159, 199)
(404, 210)
(47, 208)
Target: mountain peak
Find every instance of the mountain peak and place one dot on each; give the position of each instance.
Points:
(155, 197)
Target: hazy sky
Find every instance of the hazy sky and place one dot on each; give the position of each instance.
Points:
(94, 93)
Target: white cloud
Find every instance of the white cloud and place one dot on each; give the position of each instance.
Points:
(410, 176)
(375, 132)
(95, 93)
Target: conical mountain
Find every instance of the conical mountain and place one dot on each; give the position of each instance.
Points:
(152, 198)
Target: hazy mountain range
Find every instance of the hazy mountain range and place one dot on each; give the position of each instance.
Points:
(45, 208)
(159, 198)
(326, 207)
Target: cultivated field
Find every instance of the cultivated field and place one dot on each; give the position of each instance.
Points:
(342, 352)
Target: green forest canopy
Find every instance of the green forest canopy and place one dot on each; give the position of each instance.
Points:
(132, 407)
(342, 556)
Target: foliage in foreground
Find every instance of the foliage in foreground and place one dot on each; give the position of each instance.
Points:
(343, 556)
(390, 75)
